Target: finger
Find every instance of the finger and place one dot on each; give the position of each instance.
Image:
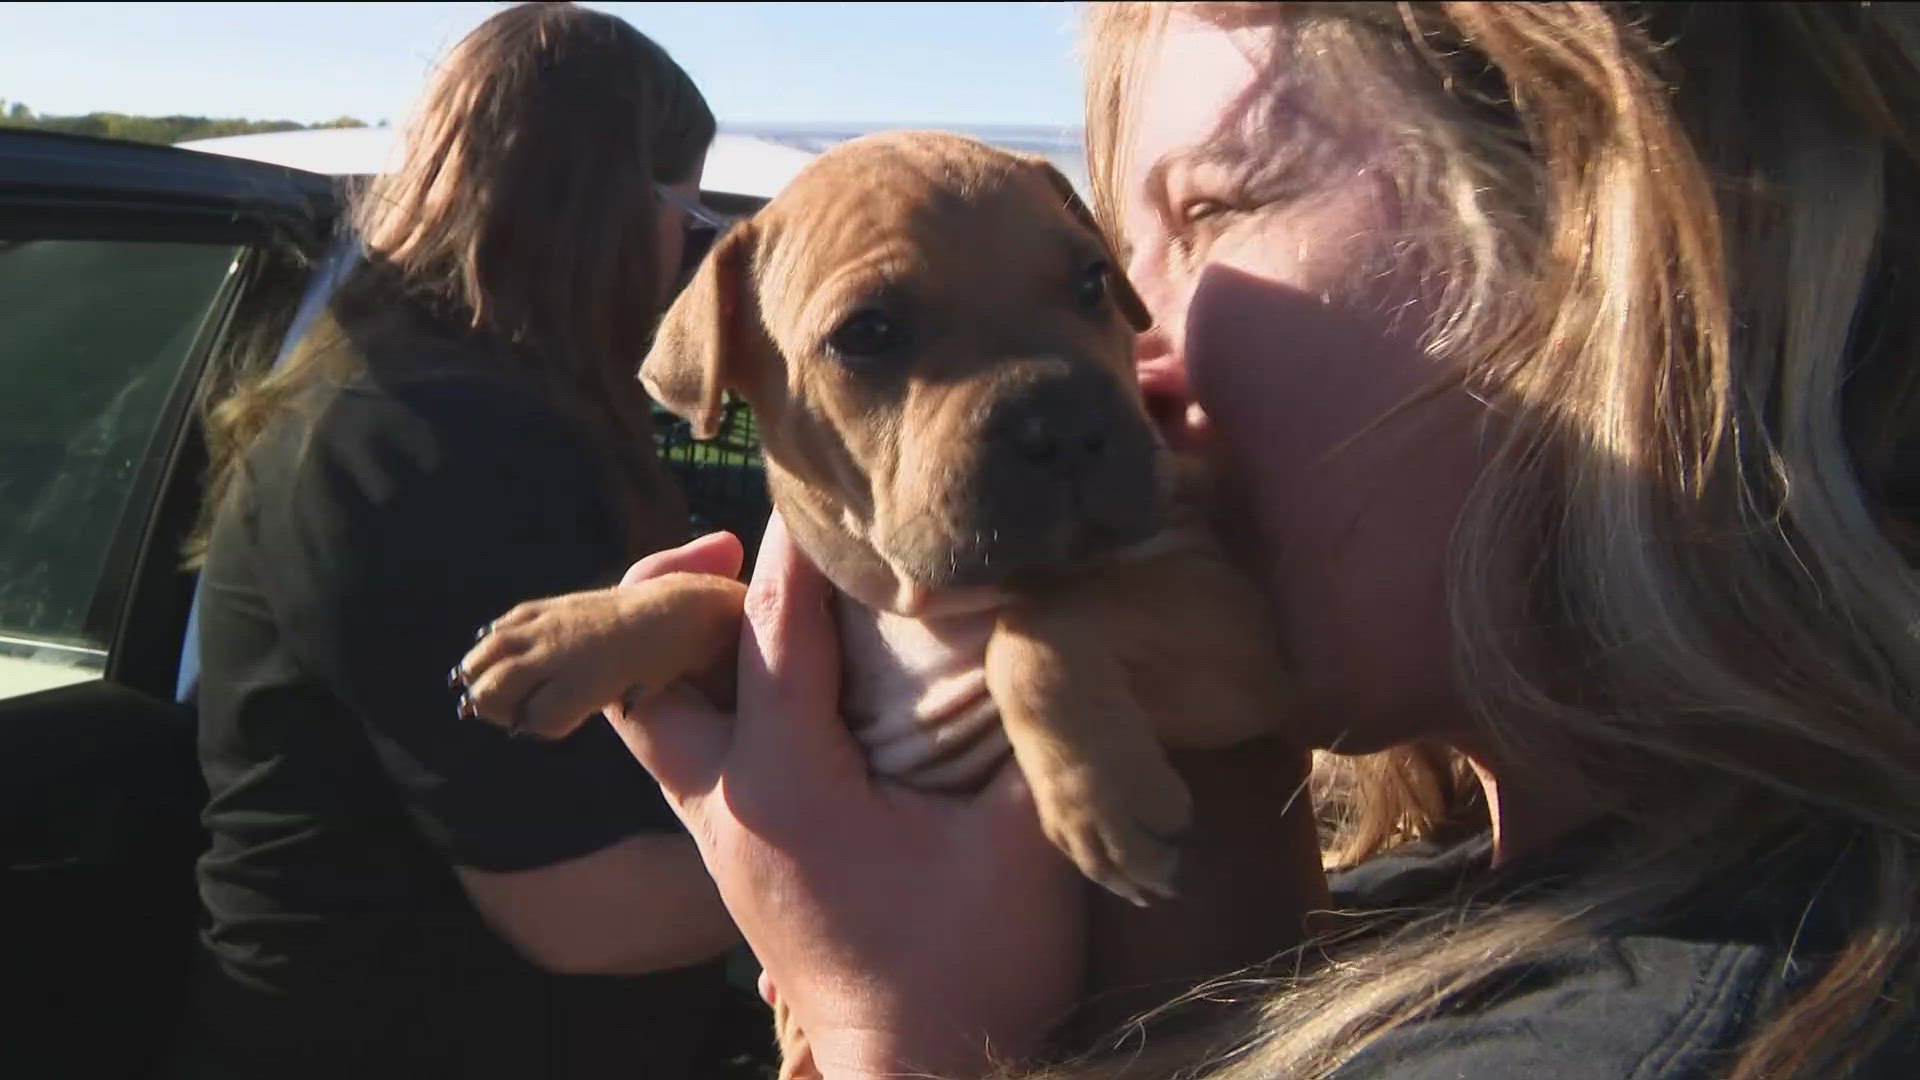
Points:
(681, 739)
(715, 553)
(790, 671)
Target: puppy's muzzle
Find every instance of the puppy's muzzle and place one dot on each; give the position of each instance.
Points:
(1067, 471)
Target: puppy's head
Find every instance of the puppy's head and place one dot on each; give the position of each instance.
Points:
(937, 348)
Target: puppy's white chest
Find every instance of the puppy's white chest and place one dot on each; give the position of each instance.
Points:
(915, 694)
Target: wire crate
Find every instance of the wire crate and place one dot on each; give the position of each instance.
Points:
(723, 477)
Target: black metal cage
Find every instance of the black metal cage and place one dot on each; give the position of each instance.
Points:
(724, 478)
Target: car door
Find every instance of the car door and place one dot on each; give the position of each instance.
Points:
(128, 275)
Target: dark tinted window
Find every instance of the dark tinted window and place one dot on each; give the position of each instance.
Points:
(93, 336)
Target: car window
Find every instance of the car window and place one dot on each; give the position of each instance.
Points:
(93, 336)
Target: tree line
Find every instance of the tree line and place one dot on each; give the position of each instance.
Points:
(155, 129)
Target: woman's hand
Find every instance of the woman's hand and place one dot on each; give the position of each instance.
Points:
(905, 931)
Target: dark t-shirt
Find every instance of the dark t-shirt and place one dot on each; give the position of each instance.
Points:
(369, 539)
(1672, 1000)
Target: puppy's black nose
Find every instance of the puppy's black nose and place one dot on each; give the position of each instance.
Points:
(1035, 441)
(1061, 425)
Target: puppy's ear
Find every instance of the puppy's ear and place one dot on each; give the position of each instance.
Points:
(1130, 303)
(696, 354)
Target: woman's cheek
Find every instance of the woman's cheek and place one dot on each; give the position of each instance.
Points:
(1352, 529)
(1245, 370)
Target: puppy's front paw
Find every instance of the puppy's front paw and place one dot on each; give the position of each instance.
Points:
(1119, 825)
(547, 666)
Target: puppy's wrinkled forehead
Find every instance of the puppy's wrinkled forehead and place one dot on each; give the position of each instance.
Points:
(913, 214)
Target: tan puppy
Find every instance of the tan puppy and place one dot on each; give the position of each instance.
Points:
(937, 349)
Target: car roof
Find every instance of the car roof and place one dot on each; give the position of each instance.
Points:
(736, 165)
(51, 170)
(748, 160)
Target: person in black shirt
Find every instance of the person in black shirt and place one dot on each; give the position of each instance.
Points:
(394, 890)
(1560, 359)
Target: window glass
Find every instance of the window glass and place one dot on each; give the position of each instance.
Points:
(93, 335)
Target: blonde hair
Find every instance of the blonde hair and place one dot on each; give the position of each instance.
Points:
(1662, 240)
(523, 212)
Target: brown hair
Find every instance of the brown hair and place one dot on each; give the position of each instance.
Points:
(1666, 240)
(523, 212)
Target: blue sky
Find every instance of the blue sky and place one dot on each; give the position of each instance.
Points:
(952, 63)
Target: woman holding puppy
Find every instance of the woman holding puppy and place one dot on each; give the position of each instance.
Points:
(394, 890)
(1562, 357)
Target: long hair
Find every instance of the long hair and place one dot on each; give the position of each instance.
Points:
(1667, 242)
(522, 214)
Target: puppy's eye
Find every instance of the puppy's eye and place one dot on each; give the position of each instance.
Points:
(1091, 288)
(866, 333)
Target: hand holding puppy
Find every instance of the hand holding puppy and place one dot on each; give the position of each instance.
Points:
(904, 931)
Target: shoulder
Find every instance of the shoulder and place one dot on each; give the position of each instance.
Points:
(431, 424)
(1632, 1006)
(1674, 995)
(436, 420)
(425, 458)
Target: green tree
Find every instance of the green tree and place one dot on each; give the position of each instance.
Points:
(155, 129)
